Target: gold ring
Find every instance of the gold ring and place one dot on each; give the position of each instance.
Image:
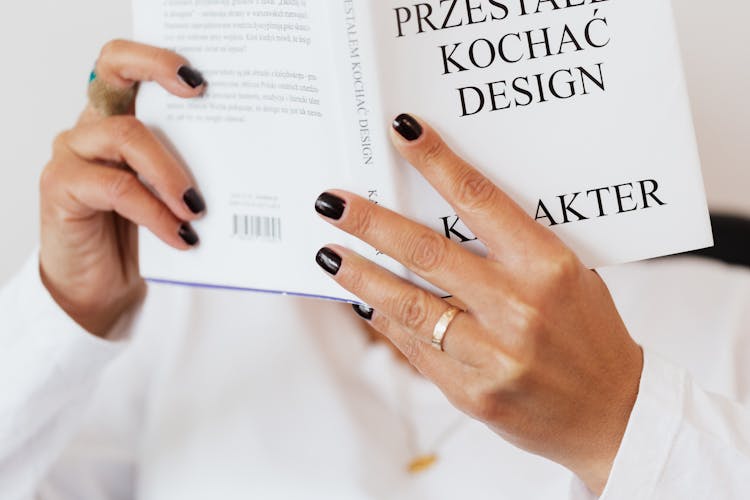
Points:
(441, 327)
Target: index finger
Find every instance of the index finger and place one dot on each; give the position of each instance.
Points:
(488, 211)
(123, 63)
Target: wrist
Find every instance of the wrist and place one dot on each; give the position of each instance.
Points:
(597, 466)
(98, 316)
(595, 476)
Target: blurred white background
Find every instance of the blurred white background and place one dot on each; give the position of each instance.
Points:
(47, 48)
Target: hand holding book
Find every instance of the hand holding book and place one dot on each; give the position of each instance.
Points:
(577, 109)
(93, 200)
(540, 355)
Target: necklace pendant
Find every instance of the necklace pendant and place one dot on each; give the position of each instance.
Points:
(422, 463)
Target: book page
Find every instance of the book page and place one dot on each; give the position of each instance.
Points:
(264, 142)
(578, 110)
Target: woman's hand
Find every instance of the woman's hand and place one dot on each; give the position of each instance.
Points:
(92, 199)
(541, 354)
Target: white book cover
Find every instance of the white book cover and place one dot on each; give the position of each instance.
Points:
(578, 109)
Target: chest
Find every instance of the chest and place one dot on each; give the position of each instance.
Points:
(286, 399)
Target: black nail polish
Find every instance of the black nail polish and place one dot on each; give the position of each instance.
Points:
(194, 201)
(190, 76)
(329, 260)
(330, 206)
(408, 127)
(188, 235)
(363, 311)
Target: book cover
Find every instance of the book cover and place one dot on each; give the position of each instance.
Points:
(576, 108)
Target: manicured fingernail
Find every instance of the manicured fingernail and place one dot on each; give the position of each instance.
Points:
(329, 260)
(363, 311)
(190, 76)
(188, 235)
(330, 206)
(408, 127)
(194, 201)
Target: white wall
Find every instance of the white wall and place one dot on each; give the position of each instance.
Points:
(715, 44)
(47, 48)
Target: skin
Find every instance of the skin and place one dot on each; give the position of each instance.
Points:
(540, 355)
(91, 204)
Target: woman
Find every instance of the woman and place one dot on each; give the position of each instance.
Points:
(183, 394)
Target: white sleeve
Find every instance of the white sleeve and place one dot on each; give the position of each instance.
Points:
(681, 442)
(49, 369)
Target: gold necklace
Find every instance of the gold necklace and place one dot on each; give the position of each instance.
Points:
(420, 461)
(426, 458)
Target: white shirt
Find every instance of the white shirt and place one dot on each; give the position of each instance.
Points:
(232, 395)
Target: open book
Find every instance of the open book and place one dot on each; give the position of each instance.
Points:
(576, 108)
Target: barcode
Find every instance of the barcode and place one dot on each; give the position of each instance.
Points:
(256, 227)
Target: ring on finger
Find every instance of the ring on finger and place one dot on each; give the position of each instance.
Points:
(441, 327)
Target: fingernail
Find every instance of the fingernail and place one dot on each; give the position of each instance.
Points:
(363, 311)
(329, 260)
(330, 206)
(408, 127)
(194, 201)
(188, 235)
(190, 76)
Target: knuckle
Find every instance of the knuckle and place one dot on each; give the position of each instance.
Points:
(433, 152)
(121, 186)
(563, 268)
(529, 321)
(360, 221)
(526, 332)
(381, 323)
(50, 177)
(534, 336)
(60, 142)
(164, 218)
(487, 404)
(474, 191)
(427, 252)
(412, 351)
(483, 408)
(411, 308)
(126, 129)
(525, 357)
(112, 48)
(355, 280)
(517, 374)
(164, 57)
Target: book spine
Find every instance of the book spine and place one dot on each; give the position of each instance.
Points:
(368, 146)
